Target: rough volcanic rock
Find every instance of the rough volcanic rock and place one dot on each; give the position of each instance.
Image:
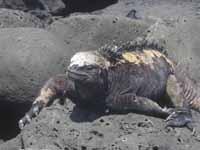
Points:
(43, 9)
(67, 128)
(13, 4)
(87, 32)
(52, 6)
(14, 18)
(28, 57)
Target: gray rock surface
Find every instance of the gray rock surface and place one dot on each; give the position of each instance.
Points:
(10, 18)
(13, 144)
(64, 127)
(29, 56)
(52, 6)
(88, 32)
(13, 4)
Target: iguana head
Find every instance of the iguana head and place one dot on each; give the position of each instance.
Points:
(88, 71)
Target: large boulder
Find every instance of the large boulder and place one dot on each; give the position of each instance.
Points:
(15, 18)
(29, 56)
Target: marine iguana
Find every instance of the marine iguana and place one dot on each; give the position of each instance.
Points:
(132, 77)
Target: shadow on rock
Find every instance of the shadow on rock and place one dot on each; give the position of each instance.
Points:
(82, 115)
(88, 5)
(10, 113)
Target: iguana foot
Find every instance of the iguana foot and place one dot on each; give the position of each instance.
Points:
(34, 111)
(25, 120)
(180, 118)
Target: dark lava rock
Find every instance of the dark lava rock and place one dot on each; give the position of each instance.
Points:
(132, 14)
(51, 6)
(88, 5)
(87, 32)
(57, 7)
(60, 127)
(43, 9)
(13, 4)
(46, 9)
(15, 18)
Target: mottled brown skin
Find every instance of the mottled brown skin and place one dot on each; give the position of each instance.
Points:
(131, 78)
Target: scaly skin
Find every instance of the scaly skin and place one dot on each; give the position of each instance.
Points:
(133, 77)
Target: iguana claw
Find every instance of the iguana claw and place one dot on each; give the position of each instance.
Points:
(34, 111)
(180, 118)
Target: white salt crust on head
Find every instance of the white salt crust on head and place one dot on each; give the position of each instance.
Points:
(81, 59)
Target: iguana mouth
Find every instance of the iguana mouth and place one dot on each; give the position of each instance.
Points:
(77, 75)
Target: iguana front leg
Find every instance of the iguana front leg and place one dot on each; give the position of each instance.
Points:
(56, 87)
(132, 103)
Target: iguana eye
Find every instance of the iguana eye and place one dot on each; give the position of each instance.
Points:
(90, 67)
